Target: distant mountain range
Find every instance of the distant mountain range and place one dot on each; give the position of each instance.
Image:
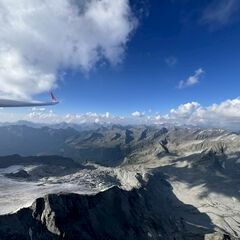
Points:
(25, 140)
(107, 145)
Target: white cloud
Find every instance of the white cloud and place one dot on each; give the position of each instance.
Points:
(107, 115)
(223, 115)
(184, 110)
(192, 80)
(40, 38)
(38, 109)
(138, 114)
(48, 116)
(220, 12)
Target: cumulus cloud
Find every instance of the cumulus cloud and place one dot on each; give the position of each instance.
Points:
(220, 13)
(49, 116)
(192, 80)
(184, 110)
(223, 115)
(138, 114)
(38, 39)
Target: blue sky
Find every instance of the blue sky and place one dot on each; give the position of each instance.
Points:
(166, 61)
(172, 29)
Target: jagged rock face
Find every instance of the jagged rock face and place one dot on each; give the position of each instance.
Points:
(151, 212)
(219, 236)
(105, 146)
(110, 146)
(21, 174)
(203, 167)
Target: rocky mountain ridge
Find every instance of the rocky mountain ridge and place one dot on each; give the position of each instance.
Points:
(202, 167)
(150, 212)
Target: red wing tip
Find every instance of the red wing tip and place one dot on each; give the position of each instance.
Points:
(53, 97)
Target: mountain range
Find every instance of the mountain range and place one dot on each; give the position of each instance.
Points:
(115, 182)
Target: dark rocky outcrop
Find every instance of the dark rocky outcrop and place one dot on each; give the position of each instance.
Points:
(163, 144)
(129, 136)
(219, 236)
(15, 159)
(106, 156)
(117, 136)
(151, 212)
(143, 135)
(160, 132)
(20, 174)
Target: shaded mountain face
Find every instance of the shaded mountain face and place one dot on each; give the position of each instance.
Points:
(11, 160)
(202, 165)
(151, 212)
(29, 141)
(38, 167)
(108, 146)
(105, 146)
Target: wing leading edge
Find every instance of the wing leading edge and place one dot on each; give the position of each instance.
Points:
(15, 103)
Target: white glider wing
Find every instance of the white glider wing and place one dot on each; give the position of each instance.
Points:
(15, 103)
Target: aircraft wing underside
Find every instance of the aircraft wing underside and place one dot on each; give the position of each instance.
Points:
(15, 103)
